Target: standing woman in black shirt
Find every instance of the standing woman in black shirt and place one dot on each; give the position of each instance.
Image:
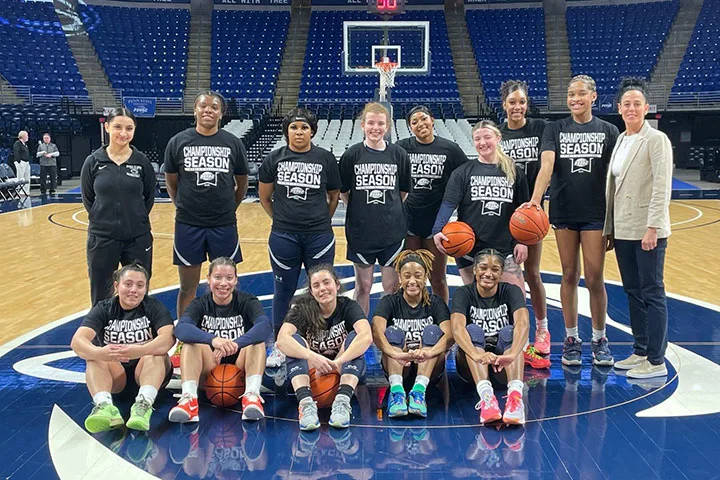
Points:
(206, 172)
(299, 189)
(375, 182)
(118, 192)
(327, 332)
(432, 160)
(575, 153)
(521, 138)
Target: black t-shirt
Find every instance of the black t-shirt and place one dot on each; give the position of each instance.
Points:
(413, 320)
(225, 321)
(376, 216)
(114, 325)
(430, 167)
(206, 168)
(582, 155)
(523, 146)
(486, 201)
(492, 313)
(302, 181)
(337, 326)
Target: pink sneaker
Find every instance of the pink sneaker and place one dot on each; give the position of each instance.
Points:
(542, 341)
(514, 410)
(489, 411)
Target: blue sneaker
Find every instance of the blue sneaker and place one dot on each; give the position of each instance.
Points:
(416, 403)
(572, 351)
(397, 404)
(601, 353)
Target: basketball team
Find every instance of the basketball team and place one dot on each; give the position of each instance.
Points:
(609, 190)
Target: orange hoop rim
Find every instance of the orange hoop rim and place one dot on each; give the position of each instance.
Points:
(386, 66)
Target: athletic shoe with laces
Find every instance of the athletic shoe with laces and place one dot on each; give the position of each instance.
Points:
(397, 404)
(175, 357)
(186, 410)
(542, 341)
(140, 414)
(103, 417)
(514, 409)
(341, 412)
(572, 351)
(534, 360)
(275, 359)
(308, 415)
(416, 403)
(489, 410)
(601, 353)
(252, 407)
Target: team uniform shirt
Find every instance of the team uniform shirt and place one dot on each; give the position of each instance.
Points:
(523, 146)
(302, 180)
(430, 168)
(118, 198)
(337, 327)
(486, 200)
(582, 154)
(225, 321)
(376, 216)
(398, 313)
(206, 168)
(114, 325)
(492, 313)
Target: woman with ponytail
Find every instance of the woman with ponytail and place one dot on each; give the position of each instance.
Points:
(326, 332)
(412, 331)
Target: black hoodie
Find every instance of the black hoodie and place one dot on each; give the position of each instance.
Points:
(118, 198)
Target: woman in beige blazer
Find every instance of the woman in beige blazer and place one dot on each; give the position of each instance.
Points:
(637, 225)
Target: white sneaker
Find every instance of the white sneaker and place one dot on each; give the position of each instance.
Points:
(630, 362)
(648, 370)
(275, 359)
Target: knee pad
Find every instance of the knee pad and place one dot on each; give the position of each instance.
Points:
(431, 335)
(354, 367)
(297, 366)
(395, 336)
(477, 335)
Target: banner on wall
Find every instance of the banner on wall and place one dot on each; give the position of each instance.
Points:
(140, 106)
(254, 2)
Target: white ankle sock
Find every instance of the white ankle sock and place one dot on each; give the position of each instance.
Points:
(395, 380)
(422, 380)
(102, 397)
(598, 334)
(190, 387)
(541, 323)
(252, 384)
(148, 392)
(571, 332)
(485, 390)
(516, 386)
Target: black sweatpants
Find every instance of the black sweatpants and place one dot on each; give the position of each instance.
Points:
(46, 170)
(103, 256)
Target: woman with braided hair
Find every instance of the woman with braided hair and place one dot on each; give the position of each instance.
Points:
(412, 331)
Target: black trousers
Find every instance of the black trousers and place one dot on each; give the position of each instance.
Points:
(103, 256)
(46, 170)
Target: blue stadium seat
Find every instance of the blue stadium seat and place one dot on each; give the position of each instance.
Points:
(699, 70)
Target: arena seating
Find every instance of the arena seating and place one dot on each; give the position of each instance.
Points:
(324, 82)
(34, 51)
(510, 44)
(143, 50)
(247, 48)
(610, 42)
(35, 119)
(699, 71)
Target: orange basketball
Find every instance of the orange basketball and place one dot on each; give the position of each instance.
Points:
(225, 431)
(224, 385)
(529, 225)
(461, 239)
(324, 388)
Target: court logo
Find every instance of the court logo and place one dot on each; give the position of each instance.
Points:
(581, 165)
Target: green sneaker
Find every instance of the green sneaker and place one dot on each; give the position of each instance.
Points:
(416, 404)
(397, 404)
(140, 414)
(102, 418)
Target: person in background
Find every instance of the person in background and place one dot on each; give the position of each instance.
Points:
(21, 156)
(47, 152)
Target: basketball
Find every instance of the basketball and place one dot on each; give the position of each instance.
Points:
(461, 239)
(324, 388)
(225, 431)
(529, 225)
(224, 385)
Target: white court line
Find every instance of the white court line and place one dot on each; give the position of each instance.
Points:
(699, 215)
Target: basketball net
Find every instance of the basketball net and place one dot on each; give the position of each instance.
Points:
(387, 70)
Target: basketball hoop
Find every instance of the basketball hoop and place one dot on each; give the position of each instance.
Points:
(387, 70)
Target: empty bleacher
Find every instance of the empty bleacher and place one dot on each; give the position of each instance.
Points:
(609, 42)
(143, 50)
(34, 51)
(247, 48)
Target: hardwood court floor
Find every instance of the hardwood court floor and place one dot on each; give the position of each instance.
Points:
(44, 274)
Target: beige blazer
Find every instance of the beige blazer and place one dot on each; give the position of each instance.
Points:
(640, 197)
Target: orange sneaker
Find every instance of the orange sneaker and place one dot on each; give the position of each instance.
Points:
(533, 359)
(252, 407)
(542, 341)
(489, 411)
(185, 411)
(514, 410)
